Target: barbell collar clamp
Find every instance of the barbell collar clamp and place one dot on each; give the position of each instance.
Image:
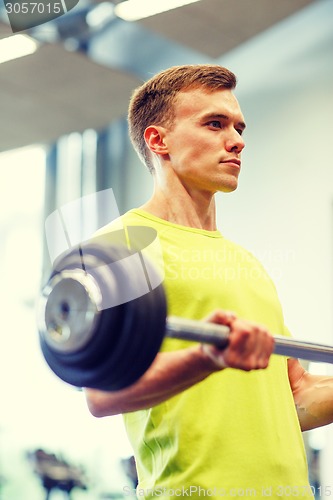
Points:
(69, 310)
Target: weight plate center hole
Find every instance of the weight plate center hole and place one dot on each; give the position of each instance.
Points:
(64, 310)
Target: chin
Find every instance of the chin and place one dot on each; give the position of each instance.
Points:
(229, 188)
(227, 183)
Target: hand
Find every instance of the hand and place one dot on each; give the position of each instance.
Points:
(250, 345)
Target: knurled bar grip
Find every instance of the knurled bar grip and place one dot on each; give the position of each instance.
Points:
(212, 333)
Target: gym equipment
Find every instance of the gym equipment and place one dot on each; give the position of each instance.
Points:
(103, 316)
(55, 473)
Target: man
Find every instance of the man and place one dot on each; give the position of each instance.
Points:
(206, 422)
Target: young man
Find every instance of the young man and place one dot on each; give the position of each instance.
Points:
(205, 422)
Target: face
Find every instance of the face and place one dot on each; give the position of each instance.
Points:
(205, 142)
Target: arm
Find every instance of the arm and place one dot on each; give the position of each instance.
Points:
(170, 373)
(313, 395)
(250, 347)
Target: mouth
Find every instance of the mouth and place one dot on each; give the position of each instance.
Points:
(233, 161)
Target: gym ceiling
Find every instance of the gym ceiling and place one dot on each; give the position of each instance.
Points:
(83, 72)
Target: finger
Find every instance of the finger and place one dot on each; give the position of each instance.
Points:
(221, 317)
(266, 349)
(258, 347)
(250, 346)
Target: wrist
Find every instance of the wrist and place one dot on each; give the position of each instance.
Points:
(212, 358)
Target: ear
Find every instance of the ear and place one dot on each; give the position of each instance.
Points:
(154, 136)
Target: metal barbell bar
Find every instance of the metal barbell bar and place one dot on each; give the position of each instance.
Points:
(212, 333)
(91, 336)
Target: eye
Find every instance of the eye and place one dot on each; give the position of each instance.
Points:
(240, 131)
(215, 124)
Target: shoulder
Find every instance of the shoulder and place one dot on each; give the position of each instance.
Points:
(119, 223)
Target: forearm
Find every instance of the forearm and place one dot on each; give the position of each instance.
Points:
(314, 401)
(249, 348)
(170, 374)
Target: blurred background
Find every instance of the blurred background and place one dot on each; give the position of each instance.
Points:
(64, 91)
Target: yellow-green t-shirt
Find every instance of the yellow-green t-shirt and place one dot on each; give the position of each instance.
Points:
(236, 433)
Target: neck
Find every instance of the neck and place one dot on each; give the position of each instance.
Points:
(171, 201)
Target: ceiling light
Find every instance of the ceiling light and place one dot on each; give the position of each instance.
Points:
(132, 10)
(100, 15)
(17, 46)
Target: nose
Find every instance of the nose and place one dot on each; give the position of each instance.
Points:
(235, 142)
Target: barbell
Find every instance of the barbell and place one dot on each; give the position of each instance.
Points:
(102, 318)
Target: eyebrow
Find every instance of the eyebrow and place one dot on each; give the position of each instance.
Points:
(210, 116)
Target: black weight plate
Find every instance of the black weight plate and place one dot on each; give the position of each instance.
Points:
(97, 344)
(146, 337)
(127, 337)
(139, 339)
